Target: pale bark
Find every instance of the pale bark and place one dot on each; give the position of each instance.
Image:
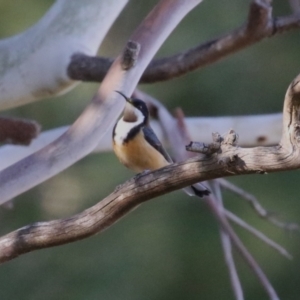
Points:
(33, 64)
(101, 114)
(229, 161)
(254, 130)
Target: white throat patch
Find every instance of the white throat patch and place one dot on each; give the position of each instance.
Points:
(123, 128)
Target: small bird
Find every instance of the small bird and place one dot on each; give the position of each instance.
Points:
(137, 146)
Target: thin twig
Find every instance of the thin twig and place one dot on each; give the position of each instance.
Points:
(215, 203)
(258, 234)
(252, 200)
(259, 209)
(241, 248)
(227, 248)
(177, 136)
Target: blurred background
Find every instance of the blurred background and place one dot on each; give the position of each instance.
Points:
(168, 248)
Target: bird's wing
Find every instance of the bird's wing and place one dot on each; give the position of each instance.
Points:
(197, 189)
(153, 140)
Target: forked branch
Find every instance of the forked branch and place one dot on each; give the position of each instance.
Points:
(178, 134)
(229, 160)
(259, 25)
(101, 114)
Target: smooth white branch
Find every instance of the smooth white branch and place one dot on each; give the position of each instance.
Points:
(100, 115)
(254, 130)
(33, 64)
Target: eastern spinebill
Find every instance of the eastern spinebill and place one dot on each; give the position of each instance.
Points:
(137, 146)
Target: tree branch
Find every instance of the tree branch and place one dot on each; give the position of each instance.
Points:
(18, 131)
(227, 246)
(178, 134)
(254, 266)
(265, 130)
(259, 25)
(259, 209)
(229, 161)
(101, 114)
(33, 63)
(232, 217)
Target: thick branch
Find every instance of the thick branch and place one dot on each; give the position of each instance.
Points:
(134, 192)
(230, 160)
(176, 176)
(177, 135)
(264, 130)
(259, 25)
(101, 114)
(33, 63)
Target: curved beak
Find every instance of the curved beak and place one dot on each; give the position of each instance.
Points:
(126, 98)
(129, 114)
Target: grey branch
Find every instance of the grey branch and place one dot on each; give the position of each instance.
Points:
(259, 209)
(103, 111)
(259, 25)
(178, 134)
(220, 217)
(227, 245)
(259, 160)
(258, 234)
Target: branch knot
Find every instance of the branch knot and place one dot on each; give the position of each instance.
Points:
(130, 55)
(231, 138)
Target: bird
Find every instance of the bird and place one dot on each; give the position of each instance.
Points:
(137, 146)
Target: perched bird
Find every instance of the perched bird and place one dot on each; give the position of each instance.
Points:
(137, 146)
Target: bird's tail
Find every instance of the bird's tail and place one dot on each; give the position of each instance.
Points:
(197, 189)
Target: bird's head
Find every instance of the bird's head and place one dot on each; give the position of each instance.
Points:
(135, 110)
